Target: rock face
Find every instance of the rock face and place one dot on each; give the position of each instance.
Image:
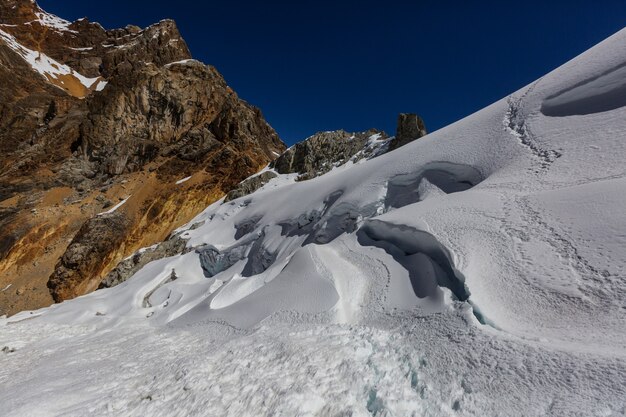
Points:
(410, 127)
(134, 263)
(182, 110)
(86, 46)
(323, 151)
(90, 248)
(91, 117)
(250, 185)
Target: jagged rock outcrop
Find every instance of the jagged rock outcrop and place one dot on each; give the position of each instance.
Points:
(410, 127)
(91, 117)
(250, 185)
(126, 268)
(86, 46)
(184, 110)
(323, 151)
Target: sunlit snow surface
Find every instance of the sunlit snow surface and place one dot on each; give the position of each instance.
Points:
(183, 180)
(52, 21)
(479, 271)
(115, 207)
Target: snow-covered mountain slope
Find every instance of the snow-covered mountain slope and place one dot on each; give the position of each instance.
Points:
(53, 71)
(478, 271)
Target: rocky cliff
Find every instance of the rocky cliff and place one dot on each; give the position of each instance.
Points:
(109, 139)
(323, 151)
(410, 127)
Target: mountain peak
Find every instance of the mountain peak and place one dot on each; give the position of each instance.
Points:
(96, 116)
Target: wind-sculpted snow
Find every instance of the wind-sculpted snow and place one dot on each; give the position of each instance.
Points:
(434, 178)
(478, 271)
(298, 286)
(602, 93)
(426, 260)
(305, 223)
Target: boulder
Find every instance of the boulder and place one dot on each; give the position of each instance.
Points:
(86, 255)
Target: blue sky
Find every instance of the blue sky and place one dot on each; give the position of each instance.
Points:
(318, 65)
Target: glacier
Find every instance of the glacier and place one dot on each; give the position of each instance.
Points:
(477, 271)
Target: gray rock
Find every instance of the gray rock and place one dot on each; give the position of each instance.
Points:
(128, 267)
(250, 185)
(323, 151)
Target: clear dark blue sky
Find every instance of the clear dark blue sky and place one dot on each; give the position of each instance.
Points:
(317, 65)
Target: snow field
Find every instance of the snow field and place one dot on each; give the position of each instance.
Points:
(478, 271)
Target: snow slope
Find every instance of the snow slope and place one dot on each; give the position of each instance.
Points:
(53, 71)
(47, 19)
(478, 271)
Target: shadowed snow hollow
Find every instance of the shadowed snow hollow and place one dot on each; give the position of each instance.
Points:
(598, 94)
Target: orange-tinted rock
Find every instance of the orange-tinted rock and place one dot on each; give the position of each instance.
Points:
(63, 158)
